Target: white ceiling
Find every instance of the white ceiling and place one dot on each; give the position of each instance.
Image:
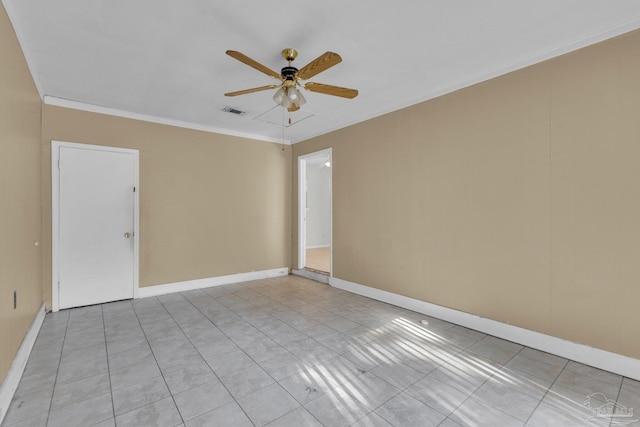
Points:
(166, 59)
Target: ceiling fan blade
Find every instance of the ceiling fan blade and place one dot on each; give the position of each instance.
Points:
(321, 63)
(331, 90)
(255, 89)
(254, 64)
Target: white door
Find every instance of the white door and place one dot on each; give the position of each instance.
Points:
(96, 219)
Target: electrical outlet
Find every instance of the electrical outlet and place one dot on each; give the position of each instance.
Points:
(15, 299)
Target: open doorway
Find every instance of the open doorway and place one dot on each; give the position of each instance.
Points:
(314, 212)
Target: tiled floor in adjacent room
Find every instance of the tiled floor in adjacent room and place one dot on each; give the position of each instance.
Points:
(292, 352)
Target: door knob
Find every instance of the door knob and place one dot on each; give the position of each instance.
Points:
(127, 235)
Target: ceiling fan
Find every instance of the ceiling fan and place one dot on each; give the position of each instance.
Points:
(288, 95)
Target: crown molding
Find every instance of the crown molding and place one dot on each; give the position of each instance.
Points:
(76, 105)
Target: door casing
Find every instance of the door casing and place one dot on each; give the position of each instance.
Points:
(302, 211)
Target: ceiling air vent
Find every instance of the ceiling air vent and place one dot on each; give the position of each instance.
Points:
(234, 111)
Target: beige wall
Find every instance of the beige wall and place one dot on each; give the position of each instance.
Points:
(517, 199)
(210, 204)
(20, 195)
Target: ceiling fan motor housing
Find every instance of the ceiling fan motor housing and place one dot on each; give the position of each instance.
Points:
(289, 73)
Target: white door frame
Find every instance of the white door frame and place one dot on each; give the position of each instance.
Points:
(55, 213)
(302, 206)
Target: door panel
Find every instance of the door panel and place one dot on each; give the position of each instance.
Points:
(96, 209)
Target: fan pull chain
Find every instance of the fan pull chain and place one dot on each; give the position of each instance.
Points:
(283, 129)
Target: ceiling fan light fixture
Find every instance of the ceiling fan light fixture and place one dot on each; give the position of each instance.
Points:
(281, 98)
(295, 96)
(289, 97)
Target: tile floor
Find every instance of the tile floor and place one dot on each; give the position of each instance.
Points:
(292, 352)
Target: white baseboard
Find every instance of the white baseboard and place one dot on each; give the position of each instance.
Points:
(322, 278)
(190, 285)
(12, 380)
(602, 359)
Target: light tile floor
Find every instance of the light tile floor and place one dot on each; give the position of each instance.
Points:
(292, 352)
